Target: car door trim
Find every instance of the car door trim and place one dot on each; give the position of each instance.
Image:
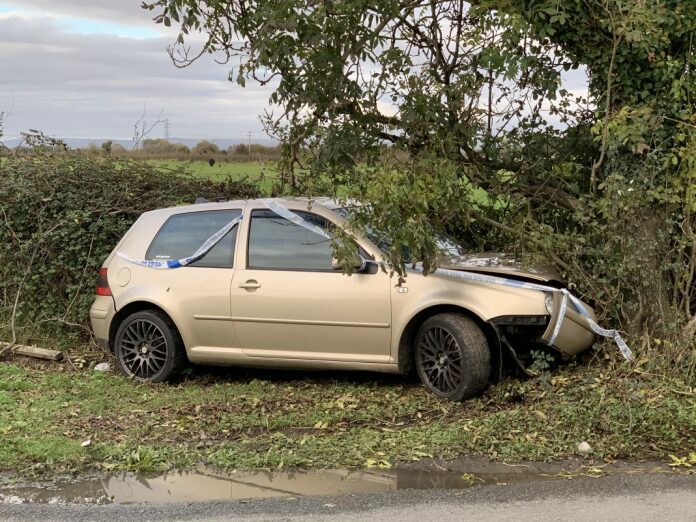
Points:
(289, 355)
(212, 317)
(290, 321)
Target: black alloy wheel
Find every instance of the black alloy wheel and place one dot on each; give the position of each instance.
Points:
(148, 347)
(441, 360)
(452, 356)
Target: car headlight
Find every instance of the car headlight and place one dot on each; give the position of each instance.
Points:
(549, 303)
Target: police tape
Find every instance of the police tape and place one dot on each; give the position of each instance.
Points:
(196, 256)
(567, 296)
(285, 213)
(209, 243)
(481, 278)
(294, 218)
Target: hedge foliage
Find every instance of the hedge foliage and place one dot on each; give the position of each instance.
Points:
(472, 97)
(61, 213)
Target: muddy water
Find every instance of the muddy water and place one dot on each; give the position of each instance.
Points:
(205, 484)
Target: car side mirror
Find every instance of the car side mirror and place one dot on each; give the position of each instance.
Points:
(358, 263)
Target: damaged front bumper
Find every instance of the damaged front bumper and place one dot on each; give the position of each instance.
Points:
(563, 328)
(568, 331)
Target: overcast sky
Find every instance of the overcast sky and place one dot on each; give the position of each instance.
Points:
(87, 68)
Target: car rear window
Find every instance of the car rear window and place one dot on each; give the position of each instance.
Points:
(183, 234)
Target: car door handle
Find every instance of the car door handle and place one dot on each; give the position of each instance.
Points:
(251, 284)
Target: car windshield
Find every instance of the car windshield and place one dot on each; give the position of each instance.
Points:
(447, 244)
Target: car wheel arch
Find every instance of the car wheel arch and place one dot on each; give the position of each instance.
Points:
(131, 308)
(408, 336)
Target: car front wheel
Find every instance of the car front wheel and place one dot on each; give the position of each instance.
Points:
(452, 356)
(147, 347)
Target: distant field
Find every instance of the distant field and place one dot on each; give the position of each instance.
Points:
(264, 173)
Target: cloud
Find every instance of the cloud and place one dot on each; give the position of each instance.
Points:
(124, 11)
(96, 85)
(88, 68)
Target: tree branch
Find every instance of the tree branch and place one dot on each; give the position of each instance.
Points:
(565, 266)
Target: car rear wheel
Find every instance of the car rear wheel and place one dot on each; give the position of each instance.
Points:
(452, 356)
(148, 348)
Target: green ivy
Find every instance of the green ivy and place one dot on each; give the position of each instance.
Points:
(61, 214)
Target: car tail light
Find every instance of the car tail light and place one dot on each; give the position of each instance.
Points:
(103, 283)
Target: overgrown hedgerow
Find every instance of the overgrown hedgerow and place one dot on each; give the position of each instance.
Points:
(61, 213)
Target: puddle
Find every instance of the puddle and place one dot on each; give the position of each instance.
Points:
(205, 485)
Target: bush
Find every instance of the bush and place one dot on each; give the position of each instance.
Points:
(62, 213)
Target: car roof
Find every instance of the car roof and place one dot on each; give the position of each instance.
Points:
(326, 202)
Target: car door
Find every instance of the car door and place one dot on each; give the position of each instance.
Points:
(288, 302)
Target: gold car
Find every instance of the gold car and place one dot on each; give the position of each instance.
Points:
(266, 292)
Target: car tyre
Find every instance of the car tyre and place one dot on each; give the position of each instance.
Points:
(148, 347)
(452, 356)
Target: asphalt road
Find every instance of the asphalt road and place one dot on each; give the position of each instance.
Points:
(649, 496)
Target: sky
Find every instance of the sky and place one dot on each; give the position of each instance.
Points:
(91, 68)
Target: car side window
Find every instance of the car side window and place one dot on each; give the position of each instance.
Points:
(278, 244)
(183, 234)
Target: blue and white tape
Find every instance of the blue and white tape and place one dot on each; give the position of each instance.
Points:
(482, 278)
(561, 315)
(440, 272)
(294, 218)
(196, 256)
(567, 296)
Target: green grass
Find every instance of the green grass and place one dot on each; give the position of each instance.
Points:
(260, 173)
(232, 418)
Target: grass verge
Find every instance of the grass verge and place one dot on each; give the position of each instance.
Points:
(264, 175)
(249, 419)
